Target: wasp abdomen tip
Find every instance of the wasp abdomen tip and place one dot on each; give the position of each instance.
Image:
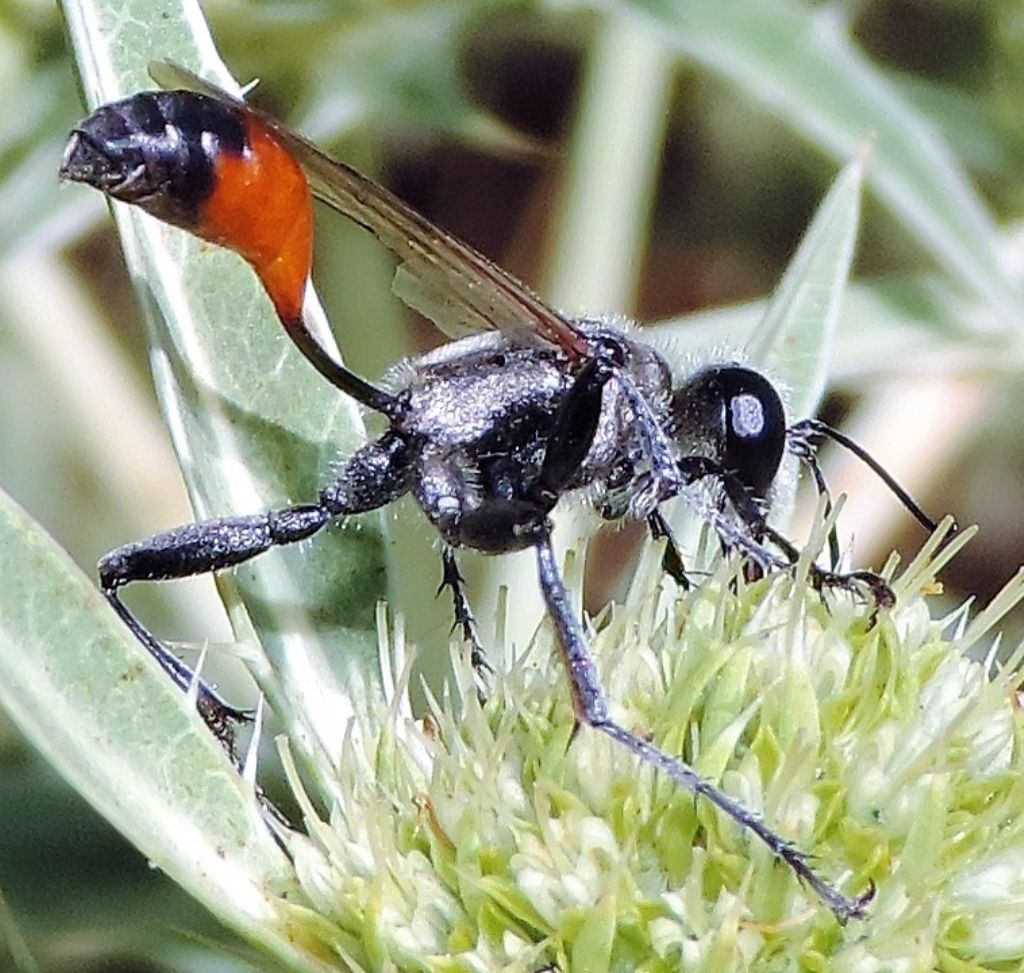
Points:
(209, 167)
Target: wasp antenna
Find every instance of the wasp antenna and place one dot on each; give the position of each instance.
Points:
(802, 433)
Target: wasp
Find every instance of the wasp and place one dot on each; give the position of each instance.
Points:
(489, 432)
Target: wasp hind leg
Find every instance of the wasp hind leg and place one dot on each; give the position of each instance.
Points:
(199, 549)
(377, 474)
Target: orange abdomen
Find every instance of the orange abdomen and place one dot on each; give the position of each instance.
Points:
(260, 206)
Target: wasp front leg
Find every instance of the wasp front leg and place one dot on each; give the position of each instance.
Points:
(753, 531)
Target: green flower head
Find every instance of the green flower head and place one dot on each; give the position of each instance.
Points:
(491, 836)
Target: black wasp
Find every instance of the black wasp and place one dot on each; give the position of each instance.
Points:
(487, 433)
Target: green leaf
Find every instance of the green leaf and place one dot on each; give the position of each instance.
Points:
(101, 710)
(253, 425)
(799, 61)
(792, 334)
(793, 340)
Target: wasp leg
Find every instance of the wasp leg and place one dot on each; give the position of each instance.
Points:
(750, 540)
(852, 581)
(464, 618)
(671, 560)
(877, 587)
(803, 449)
(573, 433)
(373, 477)
(198, 549)
(591, 708)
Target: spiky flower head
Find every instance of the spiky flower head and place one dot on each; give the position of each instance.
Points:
(488, 836)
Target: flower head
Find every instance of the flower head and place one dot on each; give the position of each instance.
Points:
(494, 836)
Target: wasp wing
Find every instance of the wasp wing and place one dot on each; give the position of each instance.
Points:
(454, 284)
(436, 303)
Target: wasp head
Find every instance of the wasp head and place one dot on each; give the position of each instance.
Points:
(735, 416)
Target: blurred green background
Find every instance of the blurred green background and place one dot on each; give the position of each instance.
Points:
(653, 159)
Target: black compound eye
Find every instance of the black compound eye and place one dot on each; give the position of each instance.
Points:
(754, 426)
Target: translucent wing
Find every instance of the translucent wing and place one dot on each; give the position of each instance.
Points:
(444, 278)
